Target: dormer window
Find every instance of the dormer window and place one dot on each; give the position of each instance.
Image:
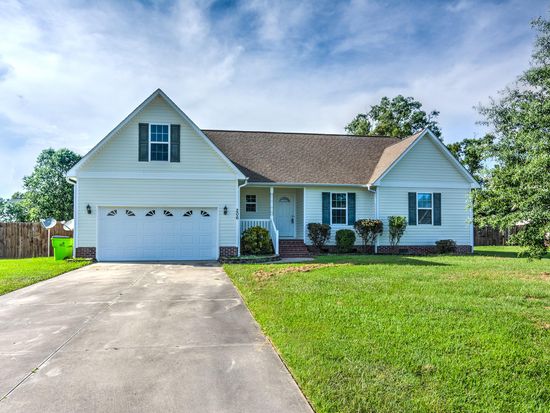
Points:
(159, 141)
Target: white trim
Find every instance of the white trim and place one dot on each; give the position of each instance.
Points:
(376, 216)
(302, 184)
(73, 171)
(443, 149)
(75, 217)
(432, 208)
(97, 251)
(161, 143)
(441, 185)
(157, 175)
(472, 226)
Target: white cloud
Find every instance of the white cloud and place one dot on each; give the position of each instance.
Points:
(70, 71)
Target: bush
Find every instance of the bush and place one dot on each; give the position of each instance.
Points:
(368, 230)
(397, 226)
(345, 240)
(319, 234)
(445, 246)
(256, 241)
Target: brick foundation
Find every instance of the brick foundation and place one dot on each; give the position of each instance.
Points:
(228, 251)
(85, 252)
(331, 249)
(419, 249)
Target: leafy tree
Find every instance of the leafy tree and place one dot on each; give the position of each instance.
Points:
(398, 117)
(473, 153)
(518, 189)
(48, 194)
(14, 209)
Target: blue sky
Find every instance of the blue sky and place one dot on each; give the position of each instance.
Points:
(71, 70)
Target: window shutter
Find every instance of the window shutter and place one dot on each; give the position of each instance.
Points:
(412, 208)
(326, 207)
(437, 208)
(174, 143)
(351, 208)
(143, 142)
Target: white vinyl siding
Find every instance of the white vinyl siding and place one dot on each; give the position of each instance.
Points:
(454, 215)
(425, 163)
(120, 154)
(364, 207)
(156, 193)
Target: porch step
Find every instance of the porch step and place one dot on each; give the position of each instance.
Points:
(293, 248)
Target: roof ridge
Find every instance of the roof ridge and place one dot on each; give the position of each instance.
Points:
(304, 133)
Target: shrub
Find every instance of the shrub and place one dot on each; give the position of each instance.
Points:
(445, 246)
(319, 234)
(256, 241)
(397, 226)
(368, 230)
(345, 240)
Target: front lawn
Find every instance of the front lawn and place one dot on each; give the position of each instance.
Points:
(410, 334)
(15, 274)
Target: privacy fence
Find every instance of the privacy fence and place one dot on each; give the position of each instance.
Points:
(493, 236)
(27, 239)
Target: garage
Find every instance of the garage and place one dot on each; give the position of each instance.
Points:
(157, 234)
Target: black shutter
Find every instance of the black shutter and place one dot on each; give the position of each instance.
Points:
(326, 208)
(412, 208)
(351, 208)
(437, 208)
(143, 142)
(174, 143)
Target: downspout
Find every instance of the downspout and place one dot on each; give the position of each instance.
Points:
(238, 215)
(74, 183)
(376, 212)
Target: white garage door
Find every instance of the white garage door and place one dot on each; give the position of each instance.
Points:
(156, 233)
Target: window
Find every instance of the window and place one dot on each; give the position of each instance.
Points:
(205, 214)
(130, 213)
(188, 213)
(250, 203)
(168, 213)
(339, 211)
(150, 213)
(159, 141)
(112, 213)
(424, 204)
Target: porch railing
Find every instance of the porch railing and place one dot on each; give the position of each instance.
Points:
(268, 224)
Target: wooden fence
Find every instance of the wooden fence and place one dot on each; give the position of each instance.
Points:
(27, 239)
(493, 236)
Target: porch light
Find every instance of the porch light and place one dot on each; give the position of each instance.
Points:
(225, 210)
(89, 209)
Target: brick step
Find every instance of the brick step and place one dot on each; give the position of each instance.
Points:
(293, 248)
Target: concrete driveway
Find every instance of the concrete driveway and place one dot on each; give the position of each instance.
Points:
(138, 338)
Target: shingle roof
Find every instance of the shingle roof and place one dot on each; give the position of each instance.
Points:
(308, 157)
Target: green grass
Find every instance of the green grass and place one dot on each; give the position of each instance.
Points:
(411, 334)
(15, 274)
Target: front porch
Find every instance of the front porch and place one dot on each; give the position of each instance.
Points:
(280, 210)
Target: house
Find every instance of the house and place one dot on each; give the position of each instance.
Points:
(159, 188)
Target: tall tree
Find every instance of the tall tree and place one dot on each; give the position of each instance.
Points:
(518, 190)
(473, 153)
(398, 117)
(48, 194)
(14, 209)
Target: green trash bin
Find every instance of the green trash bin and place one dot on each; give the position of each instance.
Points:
(62, 247)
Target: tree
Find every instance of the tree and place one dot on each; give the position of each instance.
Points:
(14, 209)
(398, 117)
(48, 194)
(518, 188)
(473, 153)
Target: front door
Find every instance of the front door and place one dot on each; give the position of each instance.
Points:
(284, 214)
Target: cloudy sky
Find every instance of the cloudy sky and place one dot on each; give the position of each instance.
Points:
(71, 70)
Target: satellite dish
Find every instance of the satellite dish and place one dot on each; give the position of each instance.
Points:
(48, 223)
(68, 225)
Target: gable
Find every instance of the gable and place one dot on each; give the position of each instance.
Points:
(117, 154)
(425, 162)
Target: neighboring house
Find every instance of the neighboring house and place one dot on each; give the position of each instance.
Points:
(159, 188)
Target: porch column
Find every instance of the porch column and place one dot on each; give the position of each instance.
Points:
(271, 202)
